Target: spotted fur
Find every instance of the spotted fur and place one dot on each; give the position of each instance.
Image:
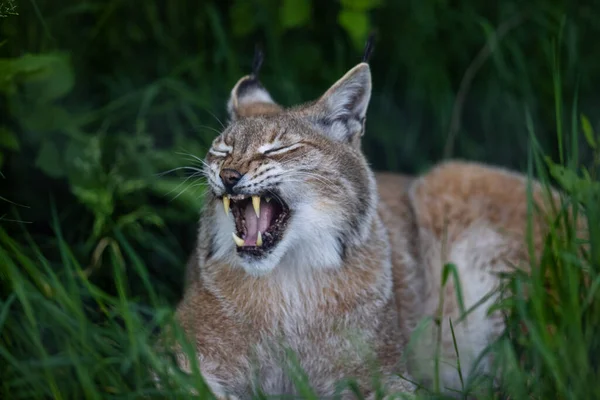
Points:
(360, 262)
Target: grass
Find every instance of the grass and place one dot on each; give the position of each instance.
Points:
(65, 337)
(90, 277)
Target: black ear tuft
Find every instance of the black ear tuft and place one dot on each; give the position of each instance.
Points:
(257, 61)
(369, 47)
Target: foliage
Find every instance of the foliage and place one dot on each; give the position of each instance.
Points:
(8, 7)
(551, 344)
(64, 337)
(101, 99)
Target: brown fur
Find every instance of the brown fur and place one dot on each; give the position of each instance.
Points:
(390, 272)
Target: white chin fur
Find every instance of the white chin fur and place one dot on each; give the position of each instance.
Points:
(309, 242)
(258, 268)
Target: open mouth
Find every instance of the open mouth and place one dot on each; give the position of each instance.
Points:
(260, 222)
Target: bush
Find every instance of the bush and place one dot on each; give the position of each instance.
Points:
(107, 105)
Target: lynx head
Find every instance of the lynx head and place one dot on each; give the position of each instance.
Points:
(290, 188)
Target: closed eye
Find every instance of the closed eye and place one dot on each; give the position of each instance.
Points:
(218, 152)
(281, 149)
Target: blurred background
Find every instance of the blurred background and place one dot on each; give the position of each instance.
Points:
(100, 98)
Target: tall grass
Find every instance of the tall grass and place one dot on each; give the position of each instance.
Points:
(551, 346)
(109, 92)
(64, 337)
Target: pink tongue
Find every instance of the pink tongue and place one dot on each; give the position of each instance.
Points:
(255, 224)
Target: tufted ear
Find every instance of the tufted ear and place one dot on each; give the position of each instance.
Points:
(249, 98)
(341, 111)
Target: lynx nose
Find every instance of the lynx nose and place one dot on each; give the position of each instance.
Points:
(230, 178)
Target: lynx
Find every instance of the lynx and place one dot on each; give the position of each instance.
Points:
(308, 259)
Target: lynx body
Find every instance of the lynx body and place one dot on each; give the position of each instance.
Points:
(306, 258)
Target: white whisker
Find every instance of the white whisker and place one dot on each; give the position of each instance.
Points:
(196, 158)
(208, 127)
(182, 183)
(196, 170)
(319, 177)
(215, 117)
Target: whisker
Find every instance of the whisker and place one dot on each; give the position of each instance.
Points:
(182, 183)
(194, 162)
(209, 128)
(278, 197)
(194, 157)
(188, 188)
(215, 117)
(319, 177)
(213, 182)
(197, 170)
(320, 190)
(267, 181)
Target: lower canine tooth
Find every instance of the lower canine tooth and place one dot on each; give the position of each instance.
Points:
(256, 205)
(259, 241)
(238, 241)
(226, 201)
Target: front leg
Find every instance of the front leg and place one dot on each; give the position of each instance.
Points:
(217, 387)
(221, 348)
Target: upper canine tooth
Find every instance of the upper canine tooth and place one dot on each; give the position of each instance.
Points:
(226, 201)
(259, 241)
(267, 199)
(256, 205)
(238, 240)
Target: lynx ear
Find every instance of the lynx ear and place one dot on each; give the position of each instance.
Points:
(341, 111)
(250, 98)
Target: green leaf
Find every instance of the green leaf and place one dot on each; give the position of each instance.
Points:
(7, 8)
(40, 118)
(43, 77)
(49, 160)
(294, 13)
(143, 214)
(356, 24)
(361, 5)
(450, 269)
(588, 131)
(98, 200)
(241, 15)
(131, 186)
(83, 161)
(8, 139)
(576, 186)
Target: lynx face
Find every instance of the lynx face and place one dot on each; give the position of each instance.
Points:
(291, 188)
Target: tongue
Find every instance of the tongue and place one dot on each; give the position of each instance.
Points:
(255, 224)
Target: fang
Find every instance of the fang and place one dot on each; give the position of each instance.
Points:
(256, 205)
(238, 241)
(226, 201)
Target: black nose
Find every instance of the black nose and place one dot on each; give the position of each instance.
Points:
(230, 178)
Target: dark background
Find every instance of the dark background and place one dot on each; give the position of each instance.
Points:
(99, 98)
